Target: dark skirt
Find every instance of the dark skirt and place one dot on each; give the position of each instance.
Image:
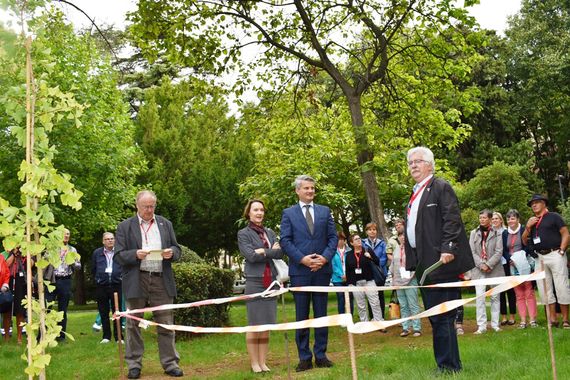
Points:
(260, 311)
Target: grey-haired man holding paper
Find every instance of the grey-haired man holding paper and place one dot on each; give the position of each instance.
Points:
(146, 246)
(435, 233)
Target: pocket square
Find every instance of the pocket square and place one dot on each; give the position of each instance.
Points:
(431, 205)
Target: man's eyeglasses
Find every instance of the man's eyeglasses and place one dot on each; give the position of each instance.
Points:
(415, 162)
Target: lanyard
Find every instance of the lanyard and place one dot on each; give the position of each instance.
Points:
(402, 256)
(538, 224)
(145, 232)
(341, 254)
(414, 196)
(357, 258)
(513, 239)
(109, 258)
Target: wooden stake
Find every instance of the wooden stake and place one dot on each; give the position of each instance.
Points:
(119, 334)
(350, 338)
(287, 356)
(549, 328)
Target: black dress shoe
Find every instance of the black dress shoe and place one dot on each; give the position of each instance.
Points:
(304, 365)
(175, 372)
(323, 363)
(134, 373)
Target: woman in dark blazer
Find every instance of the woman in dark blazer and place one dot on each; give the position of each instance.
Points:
(259, 246)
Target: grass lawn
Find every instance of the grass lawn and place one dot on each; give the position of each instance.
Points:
(509, 354)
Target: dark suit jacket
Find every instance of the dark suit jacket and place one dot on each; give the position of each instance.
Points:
(439, 228)
(248, 242)
(128, 240)
(297, 242)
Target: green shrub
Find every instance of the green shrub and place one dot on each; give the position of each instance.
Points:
(197, 282)
(189, 256)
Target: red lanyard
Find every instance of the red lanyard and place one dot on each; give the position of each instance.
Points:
(341, 254)
(538, 224)
(513, 239)
(357, 258)
(414, 196)
(402, 256)
(146, 232)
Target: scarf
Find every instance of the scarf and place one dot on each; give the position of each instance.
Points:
(267, 271)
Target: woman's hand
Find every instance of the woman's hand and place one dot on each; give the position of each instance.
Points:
(260, 251)
(276, 245)
(5, 288)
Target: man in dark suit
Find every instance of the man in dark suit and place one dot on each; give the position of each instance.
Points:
(148, 280)
(308, 237)
(107, 275)
(435, 232)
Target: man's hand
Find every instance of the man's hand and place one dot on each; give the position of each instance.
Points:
(531, 222)
(307, 260)
(260, 251)
(5, 288)
(276, 245)
(485, 268)
(142, 253)
(317, 262)
(446, 257)
(167, 253)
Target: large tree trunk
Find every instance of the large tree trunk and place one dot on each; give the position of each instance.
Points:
(365, 158)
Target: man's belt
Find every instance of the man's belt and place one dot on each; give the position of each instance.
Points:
(153, 274)
(546, 251)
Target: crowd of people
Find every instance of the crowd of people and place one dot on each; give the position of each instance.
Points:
(136, 264)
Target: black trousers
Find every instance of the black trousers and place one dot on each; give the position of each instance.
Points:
(445, 346)
(105, 298)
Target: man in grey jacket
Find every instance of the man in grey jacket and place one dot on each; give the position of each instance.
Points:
(145, 247)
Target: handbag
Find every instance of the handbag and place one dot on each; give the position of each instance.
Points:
(379, 275)
(394, 306)
(282, 270)
(6, 297)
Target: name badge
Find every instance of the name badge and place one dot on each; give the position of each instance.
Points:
(358, 270)
(21, 274)
(536, 240)
(405, 274)
(109, 270)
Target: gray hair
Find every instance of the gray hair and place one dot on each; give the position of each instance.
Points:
(302, 178)
(142, 193)
(108, 234)
(425, 153)
(513, 212)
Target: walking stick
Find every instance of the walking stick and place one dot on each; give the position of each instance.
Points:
(120, 336)
(549, 327)
(350, 337)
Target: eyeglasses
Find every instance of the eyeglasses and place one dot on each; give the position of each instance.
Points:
(415, 162)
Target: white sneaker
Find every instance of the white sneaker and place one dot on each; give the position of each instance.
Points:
(96, 327)
(104, 341)
(122, 341)
(479, 332)
(497, 329)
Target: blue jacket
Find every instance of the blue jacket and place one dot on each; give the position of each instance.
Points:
(337, 266)
(297, 241)
(380, 251)
(99, 262)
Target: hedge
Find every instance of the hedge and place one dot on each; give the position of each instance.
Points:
(196, 282)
